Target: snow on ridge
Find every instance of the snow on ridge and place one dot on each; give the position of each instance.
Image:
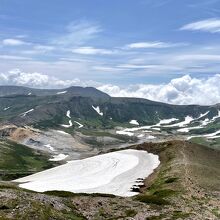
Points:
(134, 122)
(113, 173)
(63, 92)
(27, 112)
(97, 109)
(80, 125)
(58, 157)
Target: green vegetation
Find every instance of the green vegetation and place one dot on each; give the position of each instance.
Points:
(216, 212)
(179, 215)
(17, 160)
(211, 143)
(152, 199)
(130, 213)
(70, 194)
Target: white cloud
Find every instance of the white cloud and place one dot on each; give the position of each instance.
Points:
(153, 44)
(39, 80)
(183, 90)
(10, 57)
(92, 51)
(208, 25)
(13, 42)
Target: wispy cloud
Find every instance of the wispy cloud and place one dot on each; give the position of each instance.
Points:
(77, 33)
(13, 42)
(11, 57)
(92, 51)
(209, 25)
(153, 44)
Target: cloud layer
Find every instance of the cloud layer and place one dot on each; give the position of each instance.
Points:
(37, 80)
(182, 90)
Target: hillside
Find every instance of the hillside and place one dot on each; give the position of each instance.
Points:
(47, 108)
(185, 186)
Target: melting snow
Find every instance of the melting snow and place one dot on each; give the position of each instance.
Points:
(5, 109)
(58, 157)
(62, 132)
(166, 121)
(69, 125)
(68, 114)
(125, 133)
(25, 113)
(187, 120)
(49, 147)
(134, 122)
(97, 109)
(113, 173)
(151, 137)
(80, 125)
(63, 92)
(208, 136)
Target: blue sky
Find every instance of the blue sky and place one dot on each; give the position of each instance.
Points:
(120, 42)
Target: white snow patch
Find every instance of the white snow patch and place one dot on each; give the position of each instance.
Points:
(123, 132)
(29, 93)
(68, 114)
(27, 112)
(156, 129)
(166, 121)
(97, 109)
(63, 92)
(80, 125)
(62, 132)
(187, 120)
(151, 137)
(49, 147)
(217, 116)
(112, 173)
(186, 130)
(202, 115)
(69, 125)
(58, 157)
(134, 122)
(208, 136)
(5, 109)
